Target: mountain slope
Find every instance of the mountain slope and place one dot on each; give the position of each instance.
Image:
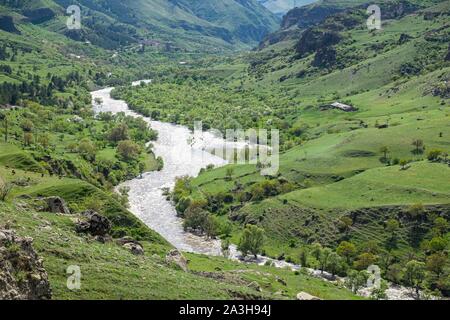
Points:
(182, 24)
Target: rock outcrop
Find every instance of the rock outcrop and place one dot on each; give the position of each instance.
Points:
(304, 296)
(175, 257)
(56, 205)
(22, 274)
(133, 246)
(95, 224)
(313, 39)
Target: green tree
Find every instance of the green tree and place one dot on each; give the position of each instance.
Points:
(414, 274)
(229, 173)
(4, 119)
(434, 155)
(385, 151)
(27, 138)
(364, 260)
(128, 150)
(403, 163)
(303, 257)
(440, 226)
(419, 146)
(436, 263)
(356, 280)
(333, 263)
(345, 224)
(324, 256)
(252, 240)
(87, 149)
(346, 250)
(118, 133)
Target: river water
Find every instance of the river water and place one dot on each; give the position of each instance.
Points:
(182, 156)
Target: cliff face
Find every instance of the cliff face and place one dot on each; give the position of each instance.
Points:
(22, 274)
(308, 16)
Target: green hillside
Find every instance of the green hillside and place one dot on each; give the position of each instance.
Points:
(174, 25)
(343, 175)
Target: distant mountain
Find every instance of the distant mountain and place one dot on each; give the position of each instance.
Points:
(281, 7)
(180, 24)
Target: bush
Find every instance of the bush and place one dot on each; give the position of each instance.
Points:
(128, 150)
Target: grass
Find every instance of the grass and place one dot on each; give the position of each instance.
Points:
(109, 271)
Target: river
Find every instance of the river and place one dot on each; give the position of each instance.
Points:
(184, 154)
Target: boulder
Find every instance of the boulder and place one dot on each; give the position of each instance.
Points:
(134, 248)
(306, 296)
(22, 274)
(175, 257)
(95, 224)
(129, 243)
(56, 205)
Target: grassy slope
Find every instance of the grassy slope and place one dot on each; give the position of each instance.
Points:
(111, 272)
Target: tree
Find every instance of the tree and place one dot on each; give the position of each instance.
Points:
(27, 138)
(211, 226)
(316, 250)
(252, 240)
(324, 255)
(128, 150)
(303, 256)
(403, 163)
(414, 274)
(437, 244)
(364, 260)
(344, 224)
(27, 126)
(441, 226)
(392, 226)
(385, 151)
(418, 144)
(333, 263)
(44, 140)
(118, 133)
(434, 155)
(347, 250)
(379, 293)
(4, 118)
(87, 149)
(195, 218)
(416, 211)
(356, 280)
(229, 173)
(141, 168)
(436, 263)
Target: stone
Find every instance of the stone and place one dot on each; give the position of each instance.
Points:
(175, 257)
(22, 274)
(134, 248)
(96, 224)
(306, 296)
(56, 205)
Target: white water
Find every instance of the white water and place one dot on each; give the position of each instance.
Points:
(181, 157)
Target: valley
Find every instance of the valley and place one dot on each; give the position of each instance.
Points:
(356, 187)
